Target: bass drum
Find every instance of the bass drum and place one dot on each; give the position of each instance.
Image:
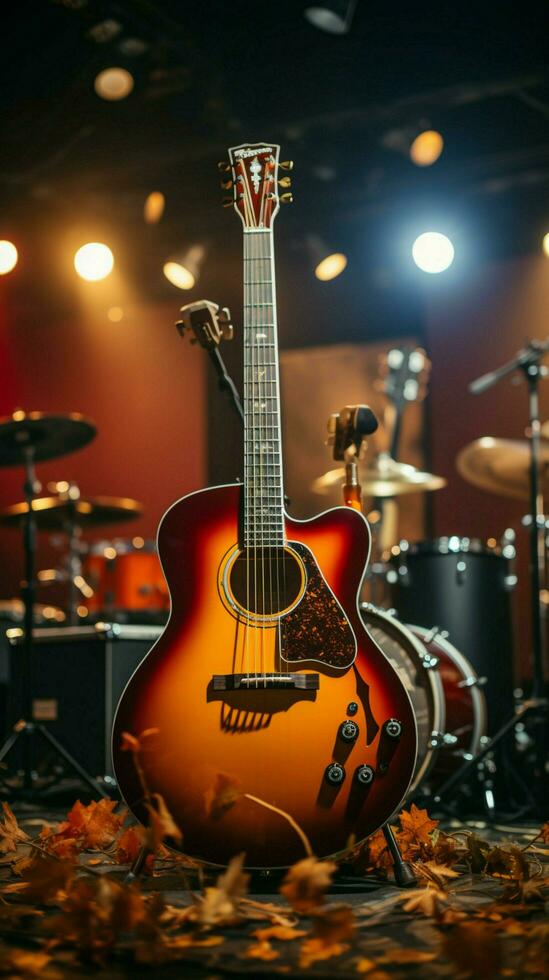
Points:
(444, 690)
(464, 701)
(414, 665)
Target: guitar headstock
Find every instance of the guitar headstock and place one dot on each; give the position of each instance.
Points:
(252, 175)
(405, 374)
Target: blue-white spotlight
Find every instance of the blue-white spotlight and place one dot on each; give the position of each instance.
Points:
(433, 252)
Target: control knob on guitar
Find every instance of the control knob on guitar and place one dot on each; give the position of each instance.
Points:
(264, 678)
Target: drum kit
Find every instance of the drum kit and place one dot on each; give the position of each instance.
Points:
(118, 579)
(462, 694)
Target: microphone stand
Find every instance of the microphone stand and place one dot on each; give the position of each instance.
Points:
(528, 360)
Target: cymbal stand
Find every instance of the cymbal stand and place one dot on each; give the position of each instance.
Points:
(528, 360)
(26, 727)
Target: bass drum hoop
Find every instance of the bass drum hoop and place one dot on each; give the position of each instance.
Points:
(465, 668)
(390, 624)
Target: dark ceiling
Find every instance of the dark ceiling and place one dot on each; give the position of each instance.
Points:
(212, 74)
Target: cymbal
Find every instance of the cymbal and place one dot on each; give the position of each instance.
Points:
(383, 477)
(51, 513)
(502, 466)
(49, 436)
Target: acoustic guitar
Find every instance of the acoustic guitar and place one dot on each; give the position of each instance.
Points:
(268, 701)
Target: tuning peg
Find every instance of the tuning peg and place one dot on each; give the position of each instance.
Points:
(227, 202)
(223, 167)
(286, 198)
(226, 184)
(285, 182)
(287, 165)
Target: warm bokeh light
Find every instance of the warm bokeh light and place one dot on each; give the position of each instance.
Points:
(94, 261)
(433, 252)
(115, 314)
(8, 257)
(154, 207)
(426, 148)
(113, 84)
(545, 243)
(331, 267)
(178, 275)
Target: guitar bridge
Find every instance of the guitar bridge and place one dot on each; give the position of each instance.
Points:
(247, 682)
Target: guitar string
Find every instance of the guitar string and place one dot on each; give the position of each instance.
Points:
(266, 317)
(246, 468)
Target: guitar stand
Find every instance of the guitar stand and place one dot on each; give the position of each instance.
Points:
(345, 882)
(25, 728)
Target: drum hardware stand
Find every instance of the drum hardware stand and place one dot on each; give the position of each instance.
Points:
(26, 727)
(528, 360)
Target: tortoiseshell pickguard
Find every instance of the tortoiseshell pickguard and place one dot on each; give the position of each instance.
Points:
(317, 629)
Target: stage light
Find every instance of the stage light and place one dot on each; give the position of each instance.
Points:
(8, 257)
(433, 252)
(331, 267)
(183, 270)
(154, 207)
(115, 314)
(332, 16)
(426, 148)
(326, 262)
(545, 243)
(93, 261)
(113, 84)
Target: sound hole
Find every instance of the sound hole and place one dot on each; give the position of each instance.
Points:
(266, 581)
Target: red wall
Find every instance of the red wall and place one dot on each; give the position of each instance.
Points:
(137, 380)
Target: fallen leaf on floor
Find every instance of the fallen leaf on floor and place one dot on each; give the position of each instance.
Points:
(284, 933)
(315, 950)
(93, 826)
(261, 951)
(11, 833)
(129, 845)
(404, 956)
(21, 963)
(306, 883)
(219, 905)
(428, 901)
(416, 829)
(435, 873)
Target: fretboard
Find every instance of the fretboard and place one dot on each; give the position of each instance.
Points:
(263, 486)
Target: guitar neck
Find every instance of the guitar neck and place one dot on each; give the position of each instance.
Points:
(263, 484)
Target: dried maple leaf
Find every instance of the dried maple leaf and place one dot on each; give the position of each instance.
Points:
(261, 950)
(416, 828)
(404, 956)
(375, 854)
(22, 963)
(314, 950)
(44, 878)
(475, 949)
(436, 873)
(306, 882)
(219, 905)
(475, 854)
(129, 845)
(162, 826)
(10, 832)
(445, 850)
(223, 795)
(284, 933)
(93, 826)
(426, 900)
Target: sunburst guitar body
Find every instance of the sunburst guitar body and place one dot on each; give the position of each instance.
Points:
(270, 711)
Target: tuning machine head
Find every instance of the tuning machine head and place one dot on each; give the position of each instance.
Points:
(285, 182)
(224, 167)
(286, 198)
(286, 165)
(227, 202)
(226, 184)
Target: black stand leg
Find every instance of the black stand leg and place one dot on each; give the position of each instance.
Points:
(136, 869)
(25, 728)
(404, 876)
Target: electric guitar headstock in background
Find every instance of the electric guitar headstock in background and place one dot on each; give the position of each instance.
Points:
(252, 174)
(404, 375)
